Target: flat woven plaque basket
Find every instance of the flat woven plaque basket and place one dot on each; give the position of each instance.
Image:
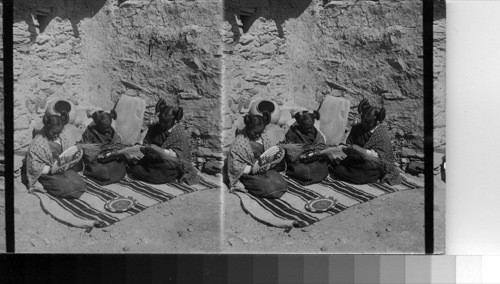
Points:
(120, 204)
(320, 204)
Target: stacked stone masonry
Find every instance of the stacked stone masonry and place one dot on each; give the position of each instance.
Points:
(92, 52)
(213, 59)
(297, 52)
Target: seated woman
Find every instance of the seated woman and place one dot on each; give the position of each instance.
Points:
(244, 157)
(167, 150)
(309, 168)
(370, 157)
(42, 160)
(107, 168)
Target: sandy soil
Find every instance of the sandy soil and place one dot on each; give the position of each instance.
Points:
(191, 223)
(392, 223)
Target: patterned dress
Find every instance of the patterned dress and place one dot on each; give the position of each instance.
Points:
(43, 152)
(245, 152)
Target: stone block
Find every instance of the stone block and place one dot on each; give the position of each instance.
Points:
(130, 117)
(285, 117)
(333, 119)
(74, 133)
(415, 168)
(213, 167)
(246, 39)
(275, 133)
(81, 116)
(411, 153)
(267, 48)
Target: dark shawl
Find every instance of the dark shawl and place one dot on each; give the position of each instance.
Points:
(380, 142)
(109, 141)
(312, 141)
(178, 141)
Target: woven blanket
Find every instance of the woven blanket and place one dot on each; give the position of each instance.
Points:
(88, 211)
(290, 210)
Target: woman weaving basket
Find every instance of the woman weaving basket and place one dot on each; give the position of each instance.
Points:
(103, 166)
(307, 167)
(370, 157)
(245, 164)
(44, 164)
(167, 150)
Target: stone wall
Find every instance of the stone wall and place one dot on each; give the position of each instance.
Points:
(440, 75)
(94, 51)
(296, 52)
(293, 51)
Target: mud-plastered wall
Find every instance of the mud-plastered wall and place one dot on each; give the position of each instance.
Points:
(94, 51)
(297, 52)
(439, 28)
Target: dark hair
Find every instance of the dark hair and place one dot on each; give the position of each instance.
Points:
(162, 107)
(168, 115)
(50, 120)
(255, 124)
(54, 124)
(370, 115)
(252, 120)
(305, 120)
(100, 115)
(103, 119)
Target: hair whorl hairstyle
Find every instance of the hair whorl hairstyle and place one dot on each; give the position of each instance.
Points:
(370, 115)
(162, 107)
(363, 106)
(267, 117)
(316, 114)
(113, 114)
(248, 120)
(98, 115)
(255, 124)
(252, 120)
(50, 120)
(179, 114)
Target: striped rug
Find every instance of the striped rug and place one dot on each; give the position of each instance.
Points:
(290, 210)
(88, 211)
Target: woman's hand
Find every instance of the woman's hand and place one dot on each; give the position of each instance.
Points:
(333, 153)
(255, 168)
(364, 151)
(359, 149)
(156, 148)
(247, 170)
(150, 152)
(162, 151)
(54, 168)
(258, 168)
(169, 152)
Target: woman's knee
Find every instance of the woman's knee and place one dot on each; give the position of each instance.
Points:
(74, 194)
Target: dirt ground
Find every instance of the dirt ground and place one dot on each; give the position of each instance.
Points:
(192, 224)
(392, 223)
(187, 224)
